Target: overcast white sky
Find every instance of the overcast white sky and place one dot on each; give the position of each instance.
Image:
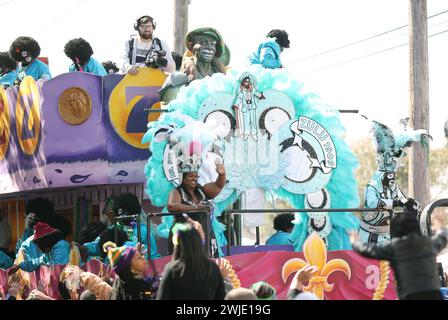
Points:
(377, 85)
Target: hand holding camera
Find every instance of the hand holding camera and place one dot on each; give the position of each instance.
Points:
(156, 59)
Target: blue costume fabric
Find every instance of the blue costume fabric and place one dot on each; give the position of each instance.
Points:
(28, 232)
(8, 78)
(375, 194)
(92, 66)
(38, 70)
(267, 54)
(200, 98)
(278, 238)
(93, 249)
(389, 147)
(5, 261)
(34, 257)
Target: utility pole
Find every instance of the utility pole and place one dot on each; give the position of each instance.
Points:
(419, 99)
(180, 24)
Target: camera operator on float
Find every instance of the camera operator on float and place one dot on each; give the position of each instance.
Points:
(145, 50)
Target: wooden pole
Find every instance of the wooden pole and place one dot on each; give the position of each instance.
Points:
(180, 25)
(418, 99)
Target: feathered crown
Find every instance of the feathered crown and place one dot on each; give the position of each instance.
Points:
(191, 144)
(390, 145)
(190, 157)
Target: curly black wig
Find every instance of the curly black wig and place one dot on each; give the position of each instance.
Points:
(110, 66)
(128, 203)
(43, 208)
(281, 37)
(283, 222)
(6, 63)
(45, 212)
(24, 48)
(78, 48)
(91, 232)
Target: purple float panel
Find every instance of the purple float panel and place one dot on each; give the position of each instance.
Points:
(126, 101)
(24, 160)
(77, 129)
(75, 147)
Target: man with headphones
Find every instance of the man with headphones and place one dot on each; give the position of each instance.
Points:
(144, 45)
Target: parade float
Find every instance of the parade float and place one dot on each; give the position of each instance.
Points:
(82, 137)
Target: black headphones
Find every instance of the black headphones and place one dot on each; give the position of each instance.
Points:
(137, 23)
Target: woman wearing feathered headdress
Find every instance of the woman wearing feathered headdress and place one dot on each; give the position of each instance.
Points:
(190, 196)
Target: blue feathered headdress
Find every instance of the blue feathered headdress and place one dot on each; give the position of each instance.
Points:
(390, 145)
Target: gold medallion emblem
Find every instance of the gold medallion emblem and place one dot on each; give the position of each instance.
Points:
(75, 106)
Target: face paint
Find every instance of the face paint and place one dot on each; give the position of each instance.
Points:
(389, 180)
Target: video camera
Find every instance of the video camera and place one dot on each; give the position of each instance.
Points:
(156, 59)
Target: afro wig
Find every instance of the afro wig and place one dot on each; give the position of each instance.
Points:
(90, 232)
(78, 48)
(127, 204)
(6, 63)
(24, 49)
(43, 208)
(45, 212)
(281, 37)
(283, 222)
(110, 66)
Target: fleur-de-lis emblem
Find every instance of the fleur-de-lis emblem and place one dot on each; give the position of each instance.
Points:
(315, 253)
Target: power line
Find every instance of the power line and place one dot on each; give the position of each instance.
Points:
(62, 17)
(368, 55)
(358, 41)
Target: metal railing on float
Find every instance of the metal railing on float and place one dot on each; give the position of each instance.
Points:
(264, 211)
(160, 214)
(425, 219)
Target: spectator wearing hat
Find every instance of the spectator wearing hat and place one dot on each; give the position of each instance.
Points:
(45, 247)
(129, 264)
(283, 225)
(40, 209)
